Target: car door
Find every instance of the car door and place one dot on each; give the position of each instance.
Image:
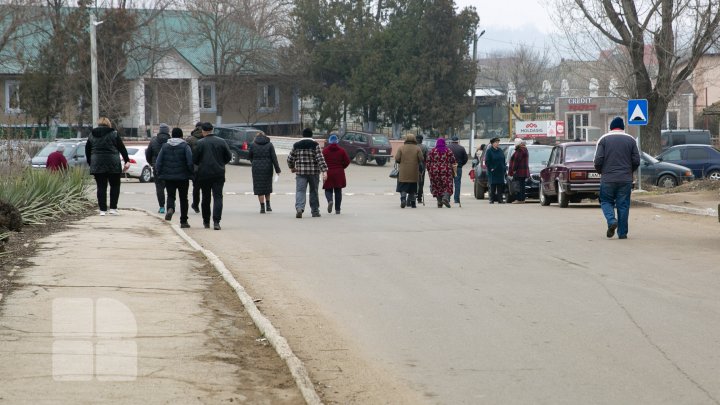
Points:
(697, 159)
(546, 175)
(347, 142)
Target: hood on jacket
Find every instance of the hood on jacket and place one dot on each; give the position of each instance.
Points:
(175, 141)
(197, 133)
(101, 131)
(262, 139)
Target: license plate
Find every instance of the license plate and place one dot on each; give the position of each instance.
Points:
(593, 175)
(382, 151)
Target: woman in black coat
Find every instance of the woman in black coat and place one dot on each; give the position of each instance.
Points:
(103, 150)
(263, 158)
(496, 168)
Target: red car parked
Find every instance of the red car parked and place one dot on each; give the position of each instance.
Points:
(570, 175)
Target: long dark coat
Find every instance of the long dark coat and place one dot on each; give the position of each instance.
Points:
(103, 149)
(337, 160)
(263, 158)
(496, 167)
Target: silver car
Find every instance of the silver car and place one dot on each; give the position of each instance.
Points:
(74, 153)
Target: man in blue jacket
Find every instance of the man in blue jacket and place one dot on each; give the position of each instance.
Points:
(616, 159)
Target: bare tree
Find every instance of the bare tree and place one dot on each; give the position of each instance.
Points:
(674, 33)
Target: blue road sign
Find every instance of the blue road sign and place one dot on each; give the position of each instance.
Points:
(637, 112)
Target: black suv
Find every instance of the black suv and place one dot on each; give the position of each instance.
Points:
(238, 139)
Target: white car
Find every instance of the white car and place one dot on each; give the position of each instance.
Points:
(139, 167)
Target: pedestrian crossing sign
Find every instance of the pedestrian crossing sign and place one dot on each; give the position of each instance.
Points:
(637, 112)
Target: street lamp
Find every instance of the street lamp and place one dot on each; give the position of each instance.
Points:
(93, 70)
(474, 111)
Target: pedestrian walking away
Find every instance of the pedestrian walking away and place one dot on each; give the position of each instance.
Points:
(175, 167)
(409, 157)
(616, 159)
(337, 161)
(211, 155)
(440, 163)
(56, 161)
(264, 160)
(151, 154)
(307, 162)
(519, 170)
(192, 140)
(496, 168)
(421, 180)
(102, 151)
(461, 158)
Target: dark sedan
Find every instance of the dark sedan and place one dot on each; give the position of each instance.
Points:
(663, 174)
(570, 175)
(703, 160)
(538, 156)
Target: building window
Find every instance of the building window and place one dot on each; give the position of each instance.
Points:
(208, 101)
(268, 98)
(576, 124)
(12, 97)
(671, 120)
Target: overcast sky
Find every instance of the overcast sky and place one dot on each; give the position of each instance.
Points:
(509, 22)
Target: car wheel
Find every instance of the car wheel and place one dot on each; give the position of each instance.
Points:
(544, 199)
(563, 199)
(361, 158)
(667, 181)
(146, 175)
(381, 161)
(479, 191)
(713, 175)
(234, 158)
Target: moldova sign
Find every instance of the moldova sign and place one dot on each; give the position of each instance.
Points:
(637, 112)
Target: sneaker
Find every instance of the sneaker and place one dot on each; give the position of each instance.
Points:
(206, 225)
(196, 208)
(113, 212)
(184, 225)
(161, 210)
(298, 213)
(216, 226)
(102, 213)
(316, 214)
(611, 230)
(330, 206)
(169, 214)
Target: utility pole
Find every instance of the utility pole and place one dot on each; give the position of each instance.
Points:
(474, 110)
(93, 70)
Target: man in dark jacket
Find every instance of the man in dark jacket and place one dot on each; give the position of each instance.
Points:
(151, 154)
(461, 157)
(616, 158)
(211, 155)
(192, 140)
(519, 170)
(307, 162)
(421, 180)
(175, 166)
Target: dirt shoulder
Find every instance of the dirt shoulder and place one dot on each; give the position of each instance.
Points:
(700, 194)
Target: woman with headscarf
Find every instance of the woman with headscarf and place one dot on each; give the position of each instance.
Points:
(440, 162)
(408, 157)
(103, 150)
(264, 160)
(496, 168)
(337, 160)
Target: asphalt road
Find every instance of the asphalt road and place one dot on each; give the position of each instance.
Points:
(484, 304)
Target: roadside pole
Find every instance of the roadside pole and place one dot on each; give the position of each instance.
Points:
(639, 167)
(637, 113)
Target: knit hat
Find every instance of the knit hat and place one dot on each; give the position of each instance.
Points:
(617, 123)
(177, 133)
(307, 133)
(333, 139)
(164, 128)
(198, 124)
(206, 126)
(519, 141)
(455, 139)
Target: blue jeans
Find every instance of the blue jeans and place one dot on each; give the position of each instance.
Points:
(616, 196)
(458, 180)
(302, 181)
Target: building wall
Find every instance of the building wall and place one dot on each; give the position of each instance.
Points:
(706, 81)
(243, 109)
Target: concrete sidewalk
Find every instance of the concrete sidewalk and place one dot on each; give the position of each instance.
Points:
(120, 309)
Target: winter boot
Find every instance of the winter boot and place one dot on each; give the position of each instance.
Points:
(262, 208)
(267, 206)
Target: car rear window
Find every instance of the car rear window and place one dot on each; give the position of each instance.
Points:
(131, 151)
(380, 140)
(580, 153)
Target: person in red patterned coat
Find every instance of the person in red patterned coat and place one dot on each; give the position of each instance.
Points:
(337, 160)
(519, 170)
(440, 162)
(56, 160)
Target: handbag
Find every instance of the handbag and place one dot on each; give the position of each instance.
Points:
(395, 172)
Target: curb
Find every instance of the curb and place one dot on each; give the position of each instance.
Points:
(279, 343)
(676, 208)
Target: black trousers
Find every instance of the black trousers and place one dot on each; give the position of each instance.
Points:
(182, 190)
(212, 189)
(102, 180)
(195, 193)
(496, 192)
(338, 197)
(160, 191)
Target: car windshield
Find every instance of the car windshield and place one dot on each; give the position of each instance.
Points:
(580, 153)
(539, 156)
(649, 158)
(380, 140)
